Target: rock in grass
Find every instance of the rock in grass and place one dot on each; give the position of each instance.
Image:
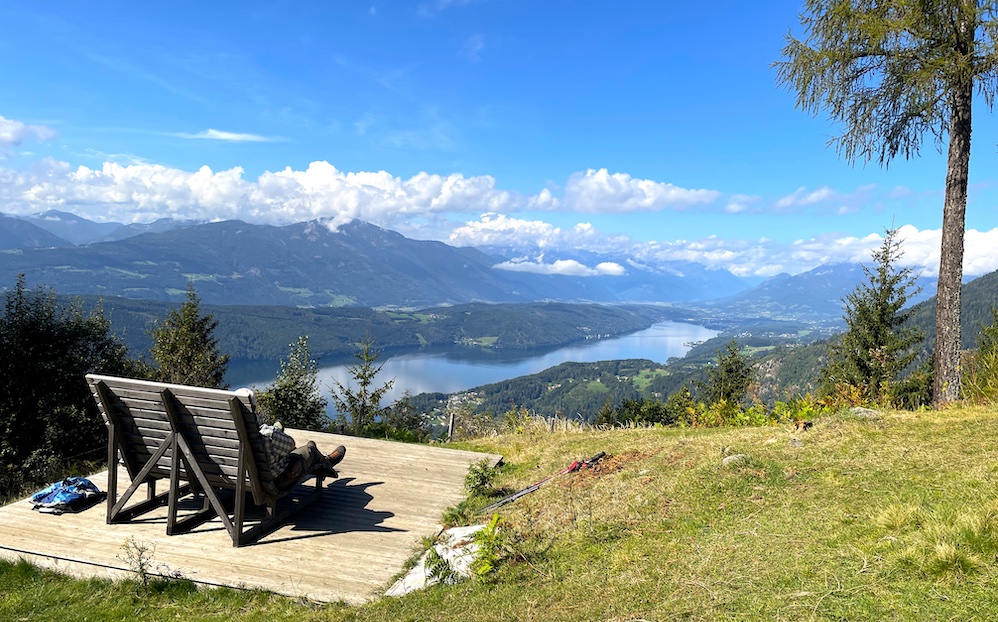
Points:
(734, 460)
(865, 413)
(456, 549)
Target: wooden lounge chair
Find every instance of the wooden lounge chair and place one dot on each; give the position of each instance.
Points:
(205, 442)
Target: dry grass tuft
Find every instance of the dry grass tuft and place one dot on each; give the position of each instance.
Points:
(898, 517)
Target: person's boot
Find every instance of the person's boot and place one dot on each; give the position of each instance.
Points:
(336, 455)
(325, 466)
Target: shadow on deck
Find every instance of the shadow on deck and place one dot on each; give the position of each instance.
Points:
(346, 547)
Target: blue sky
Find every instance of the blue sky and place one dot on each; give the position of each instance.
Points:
(652, 129)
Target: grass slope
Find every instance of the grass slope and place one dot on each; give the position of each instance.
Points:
(855, 519)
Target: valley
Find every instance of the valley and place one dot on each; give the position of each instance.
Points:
(268, 285)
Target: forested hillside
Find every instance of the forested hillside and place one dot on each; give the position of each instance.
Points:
(265, 332)
(977, 299)
(573, 390)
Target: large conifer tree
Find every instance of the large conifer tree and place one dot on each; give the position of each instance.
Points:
(294, 397)
(878, 345)
(728, 381)
(185, 348)
(891, 71)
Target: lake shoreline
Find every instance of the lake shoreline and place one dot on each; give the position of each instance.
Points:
(439, 369)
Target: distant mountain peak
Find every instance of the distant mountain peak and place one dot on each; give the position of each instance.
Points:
(21, 233)
(817, 293)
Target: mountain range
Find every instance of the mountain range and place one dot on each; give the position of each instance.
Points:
(816, 294)
(311, 264)
(72, 230)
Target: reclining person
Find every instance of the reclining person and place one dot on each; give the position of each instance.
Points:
(290, 464)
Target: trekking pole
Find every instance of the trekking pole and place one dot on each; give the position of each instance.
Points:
(575, 466)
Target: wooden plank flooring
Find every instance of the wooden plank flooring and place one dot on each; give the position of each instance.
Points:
(347, 546)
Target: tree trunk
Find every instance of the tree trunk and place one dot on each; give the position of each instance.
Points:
(946, 363)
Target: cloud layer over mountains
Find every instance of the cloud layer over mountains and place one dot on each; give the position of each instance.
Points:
(458, 209)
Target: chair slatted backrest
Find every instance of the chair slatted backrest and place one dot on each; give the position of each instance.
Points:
(217, 424)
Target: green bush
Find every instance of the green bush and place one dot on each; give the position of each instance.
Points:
(480, 479)
(980, 382)
(805, 408)
(48, 419)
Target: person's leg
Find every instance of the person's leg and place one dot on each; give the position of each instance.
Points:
(315, 462)
(294, 471)
(311, 456)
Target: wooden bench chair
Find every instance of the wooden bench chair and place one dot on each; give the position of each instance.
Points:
(204, 442)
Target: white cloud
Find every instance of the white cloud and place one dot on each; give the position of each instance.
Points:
(500, 230)
(565, 267)
(765, 257)
(741, 257)
(144, 192)
(438, 207)
(121, 158)
(232, 137)
(473, 47)
(610, 268)
(920, 248)
(494, 229)
(866, 198)
(429, 9)
(803, 198)
(979, 256)
(599, 191)
(738, 203)
(830, 249)
(13, 133)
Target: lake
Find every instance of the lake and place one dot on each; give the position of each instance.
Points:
(458, 369)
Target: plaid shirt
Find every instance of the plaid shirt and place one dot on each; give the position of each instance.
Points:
(278, 445)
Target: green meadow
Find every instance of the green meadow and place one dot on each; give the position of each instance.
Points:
(863, 516)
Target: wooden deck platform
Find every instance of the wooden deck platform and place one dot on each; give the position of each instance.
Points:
(345, 547)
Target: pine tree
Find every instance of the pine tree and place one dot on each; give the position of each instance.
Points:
(728, 381)
(682, 407)
(877, 346)
(185, 348)
(362, 404)
(606, 415)
(294, 398)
